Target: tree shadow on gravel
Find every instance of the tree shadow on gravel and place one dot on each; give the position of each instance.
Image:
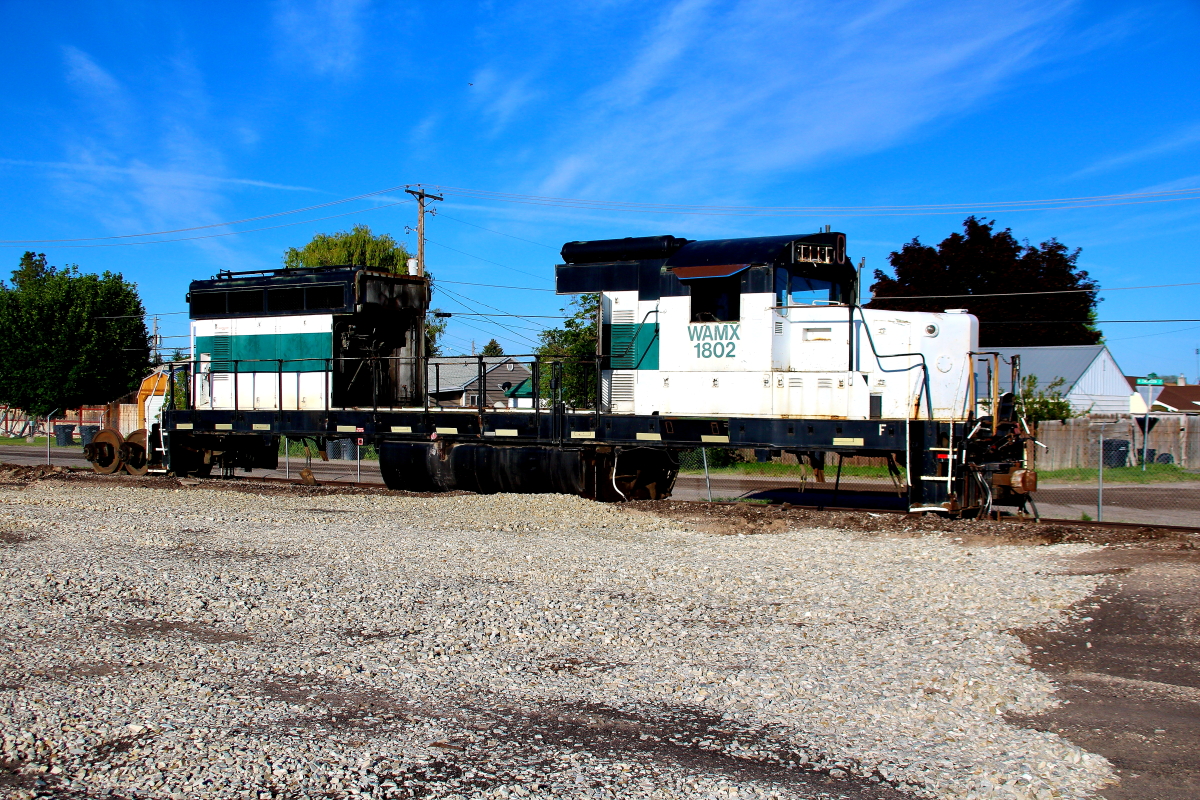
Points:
(136, 628)
(751, 519)
(496, 740)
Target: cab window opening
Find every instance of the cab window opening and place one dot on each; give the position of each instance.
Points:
(717, 299)
(799, 290)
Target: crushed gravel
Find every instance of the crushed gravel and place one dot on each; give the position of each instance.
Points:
(182, 642)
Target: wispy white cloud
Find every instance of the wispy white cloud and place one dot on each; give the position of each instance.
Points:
(321, 36)
(501, 97)
(769, 86)
(145, 159)
(110, 104)
(1180, 140)
(150, 175)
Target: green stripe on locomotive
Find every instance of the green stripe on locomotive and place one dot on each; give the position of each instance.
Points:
(300, 352)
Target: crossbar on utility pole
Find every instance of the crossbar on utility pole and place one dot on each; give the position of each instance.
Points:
(421, 195)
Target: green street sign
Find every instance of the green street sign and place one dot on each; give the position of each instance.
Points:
(1149, 381)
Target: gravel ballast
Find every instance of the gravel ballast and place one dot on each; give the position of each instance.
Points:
(187, 643)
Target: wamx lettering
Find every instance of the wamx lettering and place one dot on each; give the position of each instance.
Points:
(714, 341)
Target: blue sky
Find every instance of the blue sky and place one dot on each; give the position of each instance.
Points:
(128, 117)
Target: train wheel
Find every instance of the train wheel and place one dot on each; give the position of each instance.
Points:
(105, 451)
(133, 453)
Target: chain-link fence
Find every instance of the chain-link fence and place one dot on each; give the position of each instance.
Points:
(766, 476)
(1106, 469)
(1089, 469)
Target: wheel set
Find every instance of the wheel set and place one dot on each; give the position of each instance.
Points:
(111, 452)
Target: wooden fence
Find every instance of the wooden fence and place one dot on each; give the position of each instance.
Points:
(1075, 443)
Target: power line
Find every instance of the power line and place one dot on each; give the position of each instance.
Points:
(228, 233)
(202, 227)
(498, 233)
(485, 305)
(491, 333)
(1160, 333)
(519, 316)
(1022, 294)
(497, 286)
(1095, 201)
(464, 302)
(1078, 321)
(481, 258)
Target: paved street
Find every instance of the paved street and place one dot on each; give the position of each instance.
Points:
(1153, 504)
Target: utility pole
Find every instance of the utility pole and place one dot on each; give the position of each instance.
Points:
(421, 196)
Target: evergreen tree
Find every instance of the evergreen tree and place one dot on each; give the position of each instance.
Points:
(492, 348)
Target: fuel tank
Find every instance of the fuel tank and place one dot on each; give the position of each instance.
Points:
(600, 474)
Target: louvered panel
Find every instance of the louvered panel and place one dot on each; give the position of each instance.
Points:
(622, 387)
(621, 344)
(222, 356)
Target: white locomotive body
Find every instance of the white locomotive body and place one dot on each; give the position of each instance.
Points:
(770, 332)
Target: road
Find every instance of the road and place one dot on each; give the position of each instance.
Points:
(1150, 504)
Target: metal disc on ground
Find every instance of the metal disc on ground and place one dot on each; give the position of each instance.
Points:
(104, 451)
(133, 453)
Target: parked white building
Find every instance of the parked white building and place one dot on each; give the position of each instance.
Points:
(1092, 381)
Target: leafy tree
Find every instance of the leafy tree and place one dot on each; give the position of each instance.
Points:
(357, 247)
(492, 348)
(981, 262)
(574, 344)
(69, 339)
(435, 326)
(1037, 405)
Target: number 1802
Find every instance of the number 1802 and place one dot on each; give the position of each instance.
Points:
(715, 349)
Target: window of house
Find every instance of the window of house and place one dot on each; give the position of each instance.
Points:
(717, 299)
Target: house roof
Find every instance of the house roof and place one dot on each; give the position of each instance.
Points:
(1068, 362)
(1179, 398)
(456, 374)
(522, 389)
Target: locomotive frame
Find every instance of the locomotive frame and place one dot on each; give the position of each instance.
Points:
(364, 377)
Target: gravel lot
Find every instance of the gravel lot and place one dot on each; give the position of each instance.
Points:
(187, 642)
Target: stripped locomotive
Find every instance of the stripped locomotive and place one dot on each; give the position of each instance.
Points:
(739, 343)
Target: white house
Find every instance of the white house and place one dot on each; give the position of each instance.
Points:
(1092, 381)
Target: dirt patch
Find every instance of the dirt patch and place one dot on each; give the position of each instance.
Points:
(493, 740)
(12, 536)
(753, 519)
(1128, 668)
(136, 628)
(20, 473)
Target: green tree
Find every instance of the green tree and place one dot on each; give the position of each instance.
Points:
(357, 247)
(981, 262)
(492, 348)
(1036, 405)
(69, 339)
(435, 326)
(574, 344)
